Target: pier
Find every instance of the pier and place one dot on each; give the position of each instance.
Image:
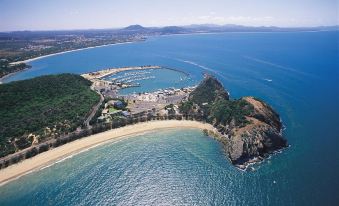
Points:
(107, 72)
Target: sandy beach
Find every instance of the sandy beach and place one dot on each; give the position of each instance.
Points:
(58, 53)
(47, 158)
(54, 54)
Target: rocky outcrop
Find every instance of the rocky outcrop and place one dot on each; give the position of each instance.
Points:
(248, 128)
(260, 137)
(209, 90)
(264, 112)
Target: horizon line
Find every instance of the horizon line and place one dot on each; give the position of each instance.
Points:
(162, 26)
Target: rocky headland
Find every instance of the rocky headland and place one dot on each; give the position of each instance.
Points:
(248, 128)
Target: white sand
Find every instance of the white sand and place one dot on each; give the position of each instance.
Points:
(41, 57)
(46, 158)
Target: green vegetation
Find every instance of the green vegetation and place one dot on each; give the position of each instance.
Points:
(6, 68)
(46, 106)
(170, 106)
(186, 107)
(209, 90)
(111, 109)
(20, 46)
(211, 102)
(224, 111)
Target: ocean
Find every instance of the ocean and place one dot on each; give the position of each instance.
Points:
(297, 73)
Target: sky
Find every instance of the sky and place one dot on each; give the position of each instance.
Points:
(91, 14)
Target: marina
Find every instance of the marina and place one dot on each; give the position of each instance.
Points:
(111, 82)
(106, 72)
(131, 80)
(301, 175)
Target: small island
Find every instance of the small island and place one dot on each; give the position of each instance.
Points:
(49, 111)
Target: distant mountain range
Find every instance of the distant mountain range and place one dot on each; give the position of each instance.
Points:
(212, 28)
(194, 28)
(18, 46)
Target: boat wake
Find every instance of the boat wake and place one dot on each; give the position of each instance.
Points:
(202, 67)
(268, 80)
(198, 65)
(276, 65)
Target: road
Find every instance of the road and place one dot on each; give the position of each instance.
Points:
(94, 109)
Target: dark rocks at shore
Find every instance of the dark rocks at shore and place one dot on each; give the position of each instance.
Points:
(248, 128)
(252, 140)
(261, 137)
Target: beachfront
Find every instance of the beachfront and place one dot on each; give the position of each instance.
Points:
(72, 50)
(49, 157)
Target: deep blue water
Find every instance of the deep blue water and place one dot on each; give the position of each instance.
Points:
(183, 167)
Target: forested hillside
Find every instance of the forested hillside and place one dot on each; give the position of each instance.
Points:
(45, 107)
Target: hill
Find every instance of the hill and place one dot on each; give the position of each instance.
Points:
(135, 28)
(248, 128)
(35, 109)
(18, 46)
(209, 90)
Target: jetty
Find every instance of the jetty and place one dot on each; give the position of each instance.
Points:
(107, 72)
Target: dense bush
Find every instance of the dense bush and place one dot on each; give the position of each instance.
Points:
(224, 111)
(209, 90)
(6, 68)
(211, 102)
(186, 107)
(55, 101)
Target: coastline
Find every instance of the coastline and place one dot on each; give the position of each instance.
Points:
(54, 54)
(49, 157)
(10, 74)
(73, 50)
(202, 33)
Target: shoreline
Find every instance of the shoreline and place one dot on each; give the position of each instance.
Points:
(180, 34)
(69, 51)
(55, 54)
(54, 155)
(11, 74)
(202, 33)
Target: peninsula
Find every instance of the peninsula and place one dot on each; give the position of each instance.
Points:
(248, 128)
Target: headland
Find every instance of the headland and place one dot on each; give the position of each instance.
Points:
(248, 128)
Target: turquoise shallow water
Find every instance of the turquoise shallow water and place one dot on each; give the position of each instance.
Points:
(297, 73)
(167, 167)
